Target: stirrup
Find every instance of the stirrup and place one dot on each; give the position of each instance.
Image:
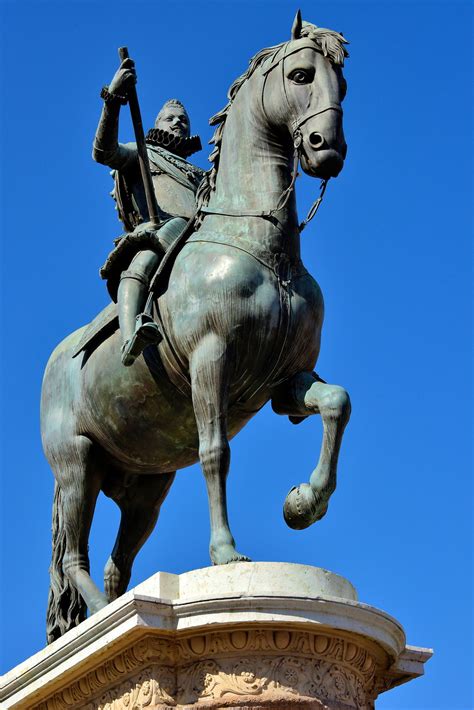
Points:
(147, 332)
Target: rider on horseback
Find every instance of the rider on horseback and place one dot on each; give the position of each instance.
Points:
(138, 252)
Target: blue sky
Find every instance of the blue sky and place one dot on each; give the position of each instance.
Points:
(390, 248)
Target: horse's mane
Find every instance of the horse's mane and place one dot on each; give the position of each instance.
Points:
(330, 43)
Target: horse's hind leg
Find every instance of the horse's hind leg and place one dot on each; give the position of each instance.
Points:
(305, 394)
(78, 481)
(209, 381)
(140, 502)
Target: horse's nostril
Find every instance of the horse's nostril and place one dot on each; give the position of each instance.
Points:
(316, 140)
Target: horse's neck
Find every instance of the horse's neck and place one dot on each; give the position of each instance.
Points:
(254, 171)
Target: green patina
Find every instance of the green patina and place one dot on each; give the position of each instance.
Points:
(236, 322)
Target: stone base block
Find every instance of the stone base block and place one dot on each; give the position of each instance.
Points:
(247, 635)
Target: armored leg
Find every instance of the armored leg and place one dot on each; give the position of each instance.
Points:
(138, 329)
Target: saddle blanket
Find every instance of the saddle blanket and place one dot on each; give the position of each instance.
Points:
(103, 325)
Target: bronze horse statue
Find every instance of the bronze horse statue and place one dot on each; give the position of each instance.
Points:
(242, 321)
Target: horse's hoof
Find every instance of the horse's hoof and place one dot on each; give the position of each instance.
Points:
(98, 603)
(238, 558)
(302, 507)
(226, 555)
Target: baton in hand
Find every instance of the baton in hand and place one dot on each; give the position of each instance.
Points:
(141, 148)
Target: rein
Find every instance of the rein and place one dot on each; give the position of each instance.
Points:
(282, 200)
(285, 195)
(315, 206)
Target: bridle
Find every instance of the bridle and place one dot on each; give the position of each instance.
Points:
(297, 138)
(297, 122)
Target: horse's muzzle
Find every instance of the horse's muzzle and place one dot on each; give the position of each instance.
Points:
(322, 163)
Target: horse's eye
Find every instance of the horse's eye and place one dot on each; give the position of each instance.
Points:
(301, 76)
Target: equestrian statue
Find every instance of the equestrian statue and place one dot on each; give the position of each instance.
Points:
(213, 314)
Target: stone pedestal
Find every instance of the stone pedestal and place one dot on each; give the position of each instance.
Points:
(246, 635)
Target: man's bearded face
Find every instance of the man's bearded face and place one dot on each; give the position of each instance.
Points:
(174, 120)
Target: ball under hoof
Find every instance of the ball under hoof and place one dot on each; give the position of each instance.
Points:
(301, 508)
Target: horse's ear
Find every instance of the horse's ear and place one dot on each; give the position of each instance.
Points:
(297, 24)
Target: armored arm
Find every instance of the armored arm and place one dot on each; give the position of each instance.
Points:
(106, 148)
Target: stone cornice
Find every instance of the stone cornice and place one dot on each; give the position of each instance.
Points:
(139, 633)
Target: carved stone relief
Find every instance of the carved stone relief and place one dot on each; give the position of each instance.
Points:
(242, 668)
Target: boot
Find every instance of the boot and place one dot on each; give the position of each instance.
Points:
(138, 329)
(147, 332)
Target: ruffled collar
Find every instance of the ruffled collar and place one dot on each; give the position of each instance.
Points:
(183, 147)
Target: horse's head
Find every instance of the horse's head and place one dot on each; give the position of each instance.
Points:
(303, 90)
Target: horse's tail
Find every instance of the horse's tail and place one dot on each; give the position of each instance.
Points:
(66, 608)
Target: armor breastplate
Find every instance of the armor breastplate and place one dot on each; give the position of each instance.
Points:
(175, 182)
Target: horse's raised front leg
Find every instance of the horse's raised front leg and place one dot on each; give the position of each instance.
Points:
(305, 394)
(209, 381)
(139, 501)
